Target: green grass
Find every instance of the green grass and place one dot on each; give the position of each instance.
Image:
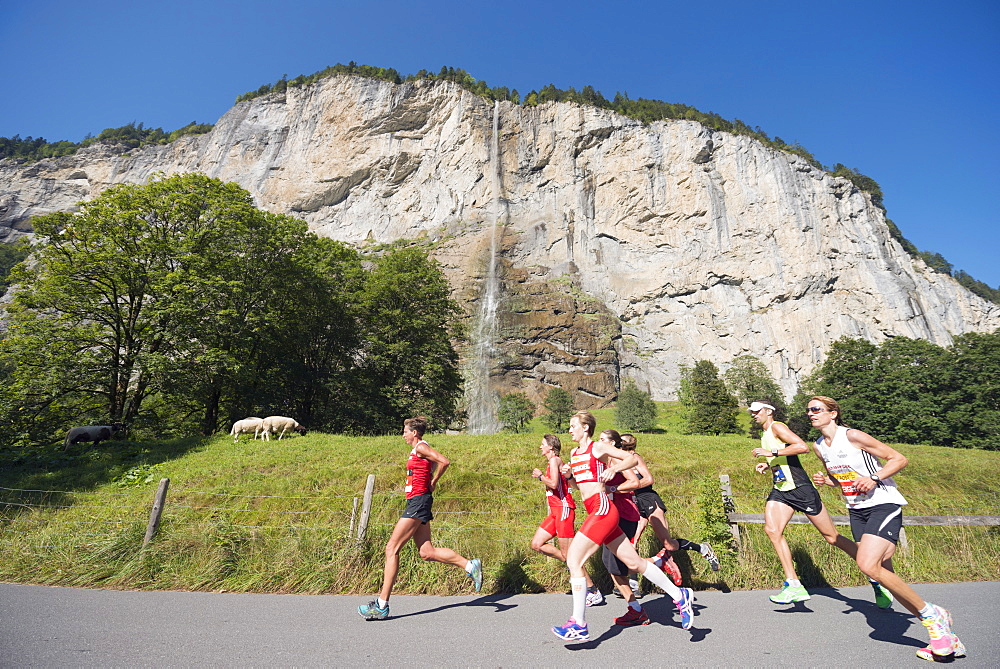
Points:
(275, 516)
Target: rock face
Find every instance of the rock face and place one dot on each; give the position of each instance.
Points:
(624, 249)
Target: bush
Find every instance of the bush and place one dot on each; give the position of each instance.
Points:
(635, 410)
(559, 407)
(516, 411)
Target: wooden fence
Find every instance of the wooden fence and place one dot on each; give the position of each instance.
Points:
(735, 519)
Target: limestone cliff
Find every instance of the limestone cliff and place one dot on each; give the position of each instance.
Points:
(624, 249)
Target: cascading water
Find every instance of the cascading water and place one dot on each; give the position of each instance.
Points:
(481, 401)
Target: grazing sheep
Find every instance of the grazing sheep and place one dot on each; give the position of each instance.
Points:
(280, 425)
(246, 426)
(93, 433)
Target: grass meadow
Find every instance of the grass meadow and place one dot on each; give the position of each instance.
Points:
(277, 516)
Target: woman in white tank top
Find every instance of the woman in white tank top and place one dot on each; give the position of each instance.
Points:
(862, 466)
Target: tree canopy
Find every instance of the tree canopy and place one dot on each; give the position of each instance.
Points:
(748, 379)
(712, 408)
(559, 408)
(131, 136)
(635, 410)
(515, 412)
(913, 391)
(178, 307)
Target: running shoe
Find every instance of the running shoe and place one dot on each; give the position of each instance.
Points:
(938, 629)
(707, 553)
(685, 607)
(476, 574)
(883, 598)
(572, 632)
(790, 594)
(372, 611)
(594, 597)
(957, 649)
(634, 585)
(633, 617)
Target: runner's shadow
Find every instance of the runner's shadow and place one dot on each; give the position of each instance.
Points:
(794, 607)
(887, 625)
(663, 612)
(494, 600)
(611, 633)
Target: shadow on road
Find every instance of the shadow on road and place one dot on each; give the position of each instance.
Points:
(495, 600)
(887, 625)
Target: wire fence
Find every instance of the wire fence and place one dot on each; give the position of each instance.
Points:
(25, 511)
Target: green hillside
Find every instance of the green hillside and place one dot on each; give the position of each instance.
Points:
(275, 516)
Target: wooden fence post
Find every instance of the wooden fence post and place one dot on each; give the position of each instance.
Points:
(728, 506)
(366, 508)
(154, 515)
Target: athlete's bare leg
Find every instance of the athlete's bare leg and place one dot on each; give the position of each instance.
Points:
(403, 531)
(824, 523)
(874, 553)
(659, 524)
(577, 554)
(564, 545)
(540, 543)
(776, 517)
(430, 552)
(621, 582)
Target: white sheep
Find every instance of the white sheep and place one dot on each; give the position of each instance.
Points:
(246, 426)
(280, 425)
(92, 433)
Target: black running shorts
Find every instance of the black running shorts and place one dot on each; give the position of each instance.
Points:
(882, 520)
(419, 507)
(648, 500)
(805, 499)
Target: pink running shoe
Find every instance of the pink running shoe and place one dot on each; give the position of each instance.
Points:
(939, 632)
(957, 650)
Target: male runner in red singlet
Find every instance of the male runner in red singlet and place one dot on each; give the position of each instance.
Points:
(423, 470)
(592, 464)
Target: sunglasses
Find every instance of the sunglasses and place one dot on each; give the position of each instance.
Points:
(816, 410)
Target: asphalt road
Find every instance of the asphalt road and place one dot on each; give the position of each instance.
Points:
(44, 626)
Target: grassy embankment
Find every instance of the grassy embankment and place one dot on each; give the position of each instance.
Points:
(274, 517)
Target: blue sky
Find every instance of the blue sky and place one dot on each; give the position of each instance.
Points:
(907, 93)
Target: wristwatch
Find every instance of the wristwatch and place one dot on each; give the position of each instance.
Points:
(774, 452)
(875, 477)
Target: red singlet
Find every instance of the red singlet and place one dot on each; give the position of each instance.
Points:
(418, 473)
(601, 525)
(560, 498)
(624, 501)
(561, 521)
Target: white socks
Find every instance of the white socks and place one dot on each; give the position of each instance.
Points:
(579, 586)
(660, 580)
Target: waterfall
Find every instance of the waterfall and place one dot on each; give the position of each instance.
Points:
(481, 401)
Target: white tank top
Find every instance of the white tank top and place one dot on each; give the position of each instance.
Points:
(847, 463)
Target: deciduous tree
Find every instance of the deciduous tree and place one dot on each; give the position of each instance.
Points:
(559, 408)
(515, 412)
(635, 410)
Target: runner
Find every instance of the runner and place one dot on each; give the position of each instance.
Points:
(651, 508)
(793, 491)
(863, 467)
(560, 522)
(423, 471)
(591, 465)
(620, 489)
